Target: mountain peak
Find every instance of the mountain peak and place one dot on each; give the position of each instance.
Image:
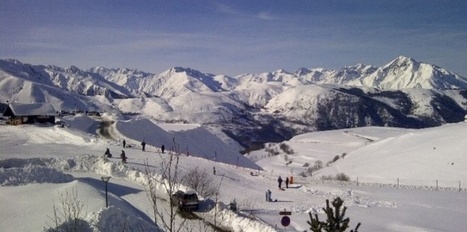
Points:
(188, 71)
(405, 73)
(402, 60)
(405, 58)
(179, 69)
(283, 71)
(74, 70)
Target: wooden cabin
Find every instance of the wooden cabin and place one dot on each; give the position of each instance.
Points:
(18, 113)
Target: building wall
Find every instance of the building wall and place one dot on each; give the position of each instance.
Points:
(17, 120)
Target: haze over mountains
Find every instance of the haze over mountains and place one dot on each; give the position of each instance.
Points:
(251, 108)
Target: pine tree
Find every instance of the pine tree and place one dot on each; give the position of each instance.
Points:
(335, 219)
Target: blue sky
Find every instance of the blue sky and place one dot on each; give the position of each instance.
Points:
(233, 37)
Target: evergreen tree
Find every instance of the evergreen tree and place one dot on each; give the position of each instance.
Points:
(335, 219)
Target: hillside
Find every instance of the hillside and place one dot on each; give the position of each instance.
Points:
(416, 157)
(423, 156)
(48, 161)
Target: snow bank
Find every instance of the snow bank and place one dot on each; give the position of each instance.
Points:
(32, 174)
(50, 170)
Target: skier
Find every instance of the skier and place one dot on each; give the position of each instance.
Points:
(107, 153)
(143, 144)
(268, 195)
(123, 156)
(163, 148)
(287, 182)
(279, 180)
(124, 143)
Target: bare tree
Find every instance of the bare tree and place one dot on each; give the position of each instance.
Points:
(200, 181)
(163, 184)
(70, 217)
(168, 183)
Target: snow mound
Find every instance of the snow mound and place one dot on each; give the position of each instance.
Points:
(32, 174)
(115, 219)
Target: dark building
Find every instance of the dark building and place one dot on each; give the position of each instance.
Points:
(18, 113)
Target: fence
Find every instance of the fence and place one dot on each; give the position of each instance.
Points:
(396, 182)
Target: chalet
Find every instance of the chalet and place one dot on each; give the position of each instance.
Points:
(18, 113)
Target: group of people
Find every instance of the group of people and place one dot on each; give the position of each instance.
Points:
(123, 155)
(143, 146)
(279, 181)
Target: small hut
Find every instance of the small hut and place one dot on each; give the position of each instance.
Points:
(19, 113)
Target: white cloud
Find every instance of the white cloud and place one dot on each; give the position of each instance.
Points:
(265, 15)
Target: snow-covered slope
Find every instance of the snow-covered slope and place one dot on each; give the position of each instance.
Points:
(40, 164)
(419, 157)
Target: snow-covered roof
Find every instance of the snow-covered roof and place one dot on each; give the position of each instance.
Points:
(20, 109)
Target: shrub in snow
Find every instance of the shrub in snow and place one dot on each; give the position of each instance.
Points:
(200, 181)
(327, 177)
(336, 158)
(336, 221)
(271, 151)
(77, 225)
(342, 177)
(309, 171)
(318, 165)
(338, 177)
(286, 149)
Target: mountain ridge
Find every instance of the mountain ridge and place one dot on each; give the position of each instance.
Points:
(270, 106)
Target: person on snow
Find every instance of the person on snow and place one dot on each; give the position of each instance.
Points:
(268, 195)
(162, 148)
(123, 156)
(107, 153)
(143, 144)
(287, 182)
(124, 143)
(279, 180)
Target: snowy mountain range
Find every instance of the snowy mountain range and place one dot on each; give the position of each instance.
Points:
(251, 108)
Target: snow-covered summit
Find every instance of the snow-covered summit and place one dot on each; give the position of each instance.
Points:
(404, 72)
